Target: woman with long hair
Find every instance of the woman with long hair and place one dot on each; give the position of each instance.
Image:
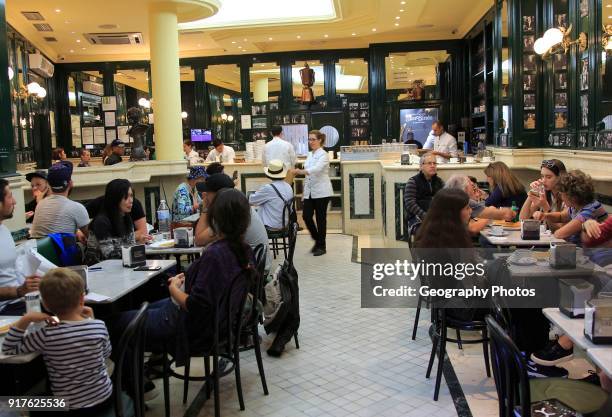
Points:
(58, 155)
(543, 195)
(106, 152)
(112, 228)
(505, 188)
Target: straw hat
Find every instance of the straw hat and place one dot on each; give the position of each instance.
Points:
(276, 169)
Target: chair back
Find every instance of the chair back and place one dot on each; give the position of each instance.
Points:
(131, 349)
(509, 371)
(260, 254)
(293, 229)
(289, 213)
(46, 248)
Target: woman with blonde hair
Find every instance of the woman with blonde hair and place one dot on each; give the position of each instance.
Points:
(317, 190)
(506, 189)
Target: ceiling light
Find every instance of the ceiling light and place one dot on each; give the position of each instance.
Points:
(233, 41)
(73, 32)
(326, 35)
(609, 17)
(11, 73)
(239, 47)
(402, 2)
(397, 17)
(199, 45)
(245, 39)
(72, 51)
(299, 37)
(397, 24)
(401, 10)
(57, 10)
(67, 22)
(269, 39)
(262, 65)
(373, 29)
(83, 48)
(184, 115)
(352, 62)
(353, 34)
(609, 5)
(78, 41)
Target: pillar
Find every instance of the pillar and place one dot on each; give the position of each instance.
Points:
(260, 90)
(7, 146)
(165, 81)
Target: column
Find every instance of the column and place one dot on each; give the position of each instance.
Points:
(165, 81)
(260, 90)
(7, 147)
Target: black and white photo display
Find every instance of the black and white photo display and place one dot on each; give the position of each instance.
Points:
(559, 62)
(528, 24)
(529, 62)
(560, 100)
(584, 74)
(561, 81)
(561, 20)
(529, 101)
(528, 41)
(529, 83)
(560, 120)
(584, 8)
(584, 110)
(529, 121)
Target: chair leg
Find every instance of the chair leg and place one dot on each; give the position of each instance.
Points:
(441, 355)
(416, 318)
(485, 351)
(166, 368)
(459, 344)
(186, 380)
(216, 385)
(434, 347)
(207, 374)
(238, 379)
(257, 348)
(295, 339)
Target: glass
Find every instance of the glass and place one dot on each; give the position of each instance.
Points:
(296, 79)
(416, 74)
(352, 76)
(265, 82)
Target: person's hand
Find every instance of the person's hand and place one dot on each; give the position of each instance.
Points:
(31, 317)
(29, 214)
(540, 216)
(80, 236)
(145, 238)
(591, 228)
(196, 206)
(508, 214)
(38, 195)
(87, 312)
(176, 281)
(535, 185)
(30, 284)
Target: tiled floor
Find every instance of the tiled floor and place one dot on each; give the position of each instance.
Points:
(351, 361)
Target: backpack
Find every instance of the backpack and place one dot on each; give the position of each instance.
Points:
(289, 208)
(67, 248)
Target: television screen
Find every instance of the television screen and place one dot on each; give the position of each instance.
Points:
(417, 121)
(201, 135)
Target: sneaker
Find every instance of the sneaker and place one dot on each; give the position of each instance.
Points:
(535, 370)
(314, 248)
(150, 392)
(319, 252)
(552, 355)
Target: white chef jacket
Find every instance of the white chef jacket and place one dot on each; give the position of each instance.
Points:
(317, 183)
(193, 157)
(444, 143)
(226, 157)
(279, 149)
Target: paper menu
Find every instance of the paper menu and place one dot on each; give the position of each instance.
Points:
(87, 135)
(99, 135)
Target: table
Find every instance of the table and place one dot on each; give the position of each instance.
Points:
(542, 269)
(602, 357)
(573, 328)
(114, 281)
(514, 239)
(176, 252)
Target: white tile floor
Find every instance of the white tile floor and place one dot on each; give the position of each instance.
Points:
(351, 361)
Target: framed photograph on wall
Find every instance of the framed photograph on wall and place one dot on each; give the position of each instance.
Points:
(528, 41)
(560, 120)
(354, 114)
(584, 110)
(364, 113)
(584, 74)
(584, 8)
(529, 83)
(529, 62)
(354, 122)
(529, 101)
(528, 24)
(559, 62)
(274, 106)
(560, 100)
(259, 122)
(529, 121)
(365, 122)
(353, 106)
(364, 105)
(561, 20)
(561, 81)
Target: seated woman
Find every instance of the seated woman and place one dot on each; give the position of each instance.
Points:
(506, 189)
(112, 227)
(188, 311)
(578, 194)
(543, 195)
(186, 199)
(40, 190)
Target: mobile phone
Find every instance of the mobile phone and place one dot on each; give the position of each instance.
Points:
(147, 268)
(235, 175)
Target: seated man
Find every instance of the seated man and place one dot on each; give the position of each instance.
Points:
(57, 213)
(421, 188)
(272, 198)
(13, 285)
(256, 232)
(117, 150)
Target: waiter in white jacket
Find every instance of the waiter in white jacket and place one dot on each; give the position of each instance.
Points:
(442, 143)
(317, 190)
(279, 148)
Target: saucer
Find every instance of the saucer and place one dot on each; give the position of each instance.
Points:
(504, 233)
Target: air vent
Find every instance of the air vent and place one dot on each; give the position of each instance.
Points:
(43, 27)
(50, 39)
(33, 15)
(125, 38)
(108, 26)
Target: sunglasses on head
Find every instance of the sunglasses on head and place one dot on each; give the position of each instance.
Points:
(550, 164)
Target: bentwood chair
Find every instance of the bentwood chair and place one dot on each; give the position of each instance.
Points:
(279, 238)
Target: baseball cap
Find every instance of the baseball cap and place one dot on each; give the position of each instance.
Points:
(36, 174)
(215, 182)
(59, 176)
(117, 142)
(197, 172)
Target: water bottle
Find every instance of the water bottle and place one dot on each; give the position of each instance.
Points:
(516, 210)
(32, 302)
(163, 219)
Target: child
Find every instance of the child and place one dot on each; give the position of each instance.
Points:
(74, 350)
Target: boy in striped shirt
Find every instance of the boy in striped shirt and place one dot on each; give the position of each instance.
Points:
(74, 350)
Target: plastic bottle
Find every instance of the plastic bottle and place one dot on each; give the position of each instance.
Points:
(516, 210)
(163, 218)
(32, 301)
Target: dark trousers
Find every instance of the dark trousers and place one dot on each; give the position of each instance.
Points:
(318, 207)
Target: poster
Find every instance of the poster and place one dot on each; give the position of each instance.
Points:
(109, 103)
(245, 121)
(109, 119)
(417, 121)
(99, 137)
(87, 135)
(122, 134)
(297, 135)
(111, 135)
(75, 127)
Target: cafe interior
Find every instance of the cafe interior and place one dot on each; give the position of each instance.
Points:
(516, 83)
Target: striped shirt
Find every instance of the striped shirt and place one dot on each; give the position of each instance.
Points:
(74, 353)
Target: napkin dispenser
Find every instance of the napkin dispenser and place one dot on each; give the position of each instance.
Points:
(183, 237)
(133, 256)
(82, 271)
(573, 294)
(562, 255)
(530, 229)
(598, 320)
(405, 159)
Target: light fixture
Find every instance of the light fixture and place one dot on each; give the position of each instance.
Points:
(401, 10)
(397, 24)
(233, 41)
(33, 90)
(299, 36)
(224, 117)
(373, 29)
(353, 34)
(606, 38)
(557, 41)
(57, 10)
(230, 118)
(269, 39)
(143, 102)
(11, 73)
(72, 51)
(397, 17)
(78, 41)
(326, 36)
(184, 115)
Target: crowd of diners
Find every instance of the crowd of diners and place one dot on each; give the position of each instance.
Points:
(229, 227)
(451, 214)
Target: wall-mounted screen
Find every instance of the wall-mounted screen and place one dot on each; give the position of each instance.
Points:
(417, 121)
(201, 135)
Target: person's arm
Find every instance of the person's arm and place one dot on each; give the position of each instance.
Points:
(452, 148)
(212, 156)
(140, 230)
(495, 213)
(290, 176)
(410, 199)
(476, 225)
(262, 196)
(569, 229)
(176, 293)
(292, 156)
(204, 235)
(528, 208)
(29, 284)
(82, 221)
(320, 166)
(596, 234)
(17, 342)
(232, 155)
(553, 217)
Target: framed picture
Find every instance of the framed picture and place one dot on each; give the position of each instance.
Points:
(529, 62)
(560, 100)
(529, 121)
(364, 105)
(529, 101)
(365, 122)
(582, 140)
(584, 8)
(561, 20)
(528, 41)
(259, 110)
(344, 102)
(274, 106)
(354, 122)
(260, 135)
(353, 106)
(528, 23)
(560, 120)
(555, 140)
(561, 81)
(298, 119)
(359, 132)
(529, 83)
(584, 74)
(584, 110)
(354, 114)
(277, 120)
(260, 122)
(286, 119)
(364, 113)
(559, 62)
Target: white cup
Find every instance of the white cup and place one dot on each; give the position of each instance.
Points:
(454, 160)
(543, 229)
(497, 230)
(469, 159)
(486, 159)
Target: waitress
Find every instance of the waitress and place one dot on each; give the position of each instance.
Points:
(317, 190)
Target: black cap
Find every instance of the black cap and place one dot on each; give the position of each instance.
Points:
(59, 176)
(214, 183)
(117, 142)
(39, 174)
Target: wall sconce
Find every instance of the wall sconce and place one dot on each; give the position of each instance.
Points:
(33, 90)
(225, 118)
(606, 39)
(11, 73)
(184, 115)
(143, 102)
(558, 41)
